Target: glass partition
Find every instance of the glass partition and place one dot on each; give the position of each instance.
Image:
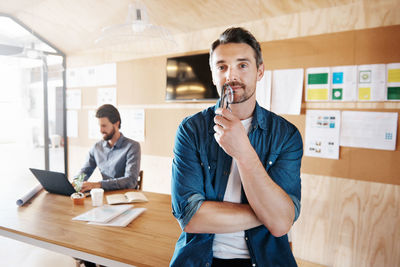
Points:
(32, 106)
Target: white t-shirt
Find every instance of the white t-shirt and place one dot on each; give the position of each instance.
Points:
(232, 245)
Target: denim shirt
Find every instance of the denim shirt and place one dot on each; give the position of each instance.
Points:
(119, 165)
(200, 172)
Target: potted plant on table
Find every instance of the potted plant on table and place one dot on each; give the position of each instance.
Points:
(78, 197)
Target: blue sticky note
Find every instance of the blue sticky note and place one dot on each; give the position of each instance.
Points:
(337, 77)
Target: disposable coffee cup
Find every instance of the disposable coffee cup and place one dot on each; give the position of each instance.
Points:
(97, 196)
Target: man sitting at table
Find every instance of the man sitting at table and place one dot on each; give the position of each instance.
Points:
(116, 156)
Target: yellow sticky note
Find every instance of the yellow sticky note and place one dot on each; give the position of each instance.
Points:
(364, 93)
(317, 94)
(394, 75)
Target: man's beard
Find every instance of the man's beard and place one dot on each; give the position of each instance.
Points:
(245, 95)
(109, 136)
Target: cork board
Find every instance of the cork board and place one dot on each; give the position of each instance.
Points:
(371, 46)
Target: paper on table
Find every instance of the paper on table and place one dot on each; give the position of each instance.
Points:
(102, 214)
(124, 219)
(29, 195)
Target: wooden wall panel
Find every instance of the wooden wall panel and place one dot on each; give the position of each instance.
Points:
(348, 223)
(141, 81)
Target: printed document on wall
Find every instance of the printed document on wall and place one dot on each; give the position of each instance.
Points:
(134, 121)
(287, 90)
(344, 83)
(376, 130)
(93, 126)
(393, 81)
(371, 82)
(263, 91)
(318, 84)
(73, 100)
(72, 123)
(106, 96)
(322, 134)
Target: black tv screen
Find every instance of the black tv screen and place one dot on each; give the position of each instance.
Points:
(189, 79)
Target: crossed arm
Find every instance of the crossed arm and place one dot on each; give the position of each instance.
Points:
(269, 204)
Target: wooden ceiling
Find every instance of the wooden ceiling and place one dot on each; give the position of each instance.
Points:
(73, 25)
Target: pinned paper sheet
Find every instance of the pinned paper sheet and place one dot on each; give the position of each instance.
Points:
(393, 81)
(72, 123)
(371, 82)
(263, 91)
(322, 134)
(100, 75)
(377, 130)
(134, 122)
(317, 84)
(73, 100)
(287, 91)
(344, 83)
(106, 96)
(93, 126)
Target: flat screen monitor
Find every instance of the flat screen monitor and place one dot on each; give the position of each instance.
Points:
(189, 79)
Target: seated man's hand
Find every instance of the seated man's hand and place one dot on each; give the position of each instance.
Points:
(87, 186)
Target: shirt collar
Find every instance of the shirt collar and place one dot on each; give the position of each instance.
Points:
(259, 119)
(117, 144)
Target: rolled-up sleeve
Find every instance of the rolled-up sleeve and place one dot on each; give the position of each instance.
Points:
(187, 186)
(286, 169)
(90, 164)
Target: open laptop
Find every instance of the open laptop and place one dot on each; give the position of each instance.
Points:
(54, 182)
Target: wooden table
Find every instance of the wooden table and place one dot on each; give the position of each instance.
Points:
(46, 222)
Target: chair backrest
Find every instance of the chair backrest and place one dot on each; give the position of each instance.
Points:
(139, 185)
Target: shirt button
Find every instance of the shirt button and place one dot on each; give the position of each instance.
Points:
(207, 264)
(270, 162)
(246, 238)
(253, 264)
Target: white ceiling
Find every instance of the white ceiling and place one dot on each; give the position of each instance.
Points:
(73, 25)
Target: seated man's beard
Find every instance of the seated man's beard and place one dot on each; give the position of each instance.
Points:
(109, 136)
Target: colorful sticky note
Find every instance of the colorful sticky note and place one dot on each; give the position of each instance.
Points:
(337, 78)
(317, 78)
(394, 75)
(393, 93)
(317, 94)
(337, 94)
(365, 76)
(364, 93)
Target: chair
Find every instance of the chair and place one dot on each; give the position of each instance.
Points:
(139, 185)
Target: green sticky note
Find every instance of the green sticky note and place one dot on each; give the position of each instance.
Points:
(337, 94)
(393, 93)
(317, 78)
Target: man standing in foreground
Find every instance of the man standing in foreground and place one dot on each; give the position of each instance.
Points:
(236, 184)
(116, 156)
